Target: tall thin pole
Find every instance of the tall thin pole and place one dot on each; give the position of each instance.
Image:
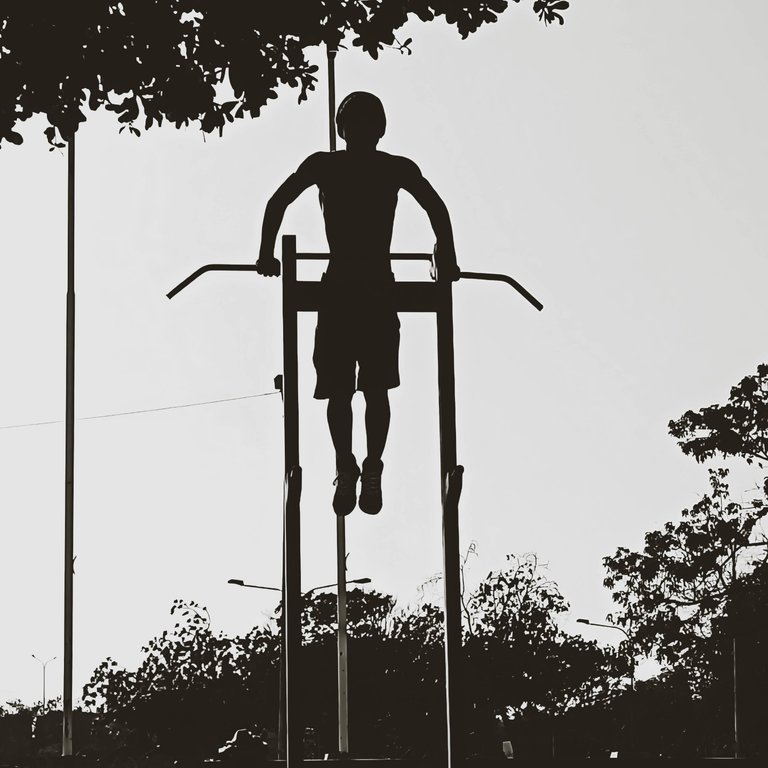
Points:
(331, 98)
(632, 702)
(341, 609)
(43, 664)
(292, 602)
(450, 489)
(69, 461)
(341, 536)
(281, 678)
(736, 744)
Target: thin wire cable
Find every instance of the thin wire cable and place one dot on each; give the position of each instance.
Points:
(143, 410)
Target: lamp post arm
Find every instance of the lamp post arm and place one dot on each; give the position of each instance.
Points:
(612, 626)
(259, 586)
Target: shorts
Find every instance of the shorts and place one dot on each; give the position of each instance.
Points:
(357, 327)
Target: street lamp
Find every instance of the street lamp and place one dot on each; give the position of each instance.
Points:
(342, 671)
(631, 671)
(241, 583)
(44, 665)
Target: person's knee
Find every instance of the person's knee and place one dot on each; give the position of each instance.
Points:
(377, 404)
(340, 399)
(376, 397)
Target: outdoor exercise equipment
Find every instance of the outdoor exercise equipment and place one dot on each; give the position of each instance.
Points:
(297, 296)
(433, 296)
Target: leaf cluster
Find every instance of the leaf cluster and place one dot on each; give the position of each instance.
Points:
(737, 428)
(185, 672)
(674, 594)
(188, 62)
(670, 593)
(521, 659)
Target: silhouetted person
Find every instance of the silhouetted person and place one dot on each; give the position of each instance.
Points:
(357, 322)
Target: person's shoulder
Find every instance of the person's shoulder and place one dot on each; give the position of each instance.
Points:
(403, 167)
(316, 159)
(314, 168)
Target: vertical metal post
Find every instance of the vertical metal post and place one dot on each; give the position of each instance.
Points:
(69, 460)
(736, 744)
(292, 606)
(341, 610)
(341, 546)
(281, 680)
(450, 476)
(281, 697)
(331, 99)
(632, 696)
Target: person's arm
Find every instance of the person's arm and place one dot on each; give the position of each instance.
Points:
(426, 196)
(286, 193)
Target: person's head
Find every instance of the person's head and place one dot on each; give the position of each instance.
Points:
(360, 119)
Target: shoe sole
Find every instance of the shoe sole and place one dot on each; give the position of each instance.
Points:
(369, 511)
(346, 509)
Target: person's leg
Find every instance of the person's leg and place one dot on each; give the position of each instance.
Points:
(347, 471)
(340, 425)
(377, 416)
(376, 427)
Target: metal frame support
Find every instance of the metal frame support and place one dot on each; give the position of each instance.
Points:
(416, 297)
(292, 604)
(450, 489)
(424, 296)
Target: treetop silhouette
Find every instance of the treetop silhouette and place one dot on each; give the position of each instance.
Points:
(191, 61)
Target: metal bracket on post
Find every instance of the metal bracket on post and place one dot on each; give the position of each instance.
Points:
(453, 485)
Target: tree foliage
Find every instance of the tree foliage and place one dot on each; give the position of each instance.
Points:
(675, 594)
(191, 61)
(194, 687)
(670, 593)
(521, 659)
(190, 691)
(737, 428)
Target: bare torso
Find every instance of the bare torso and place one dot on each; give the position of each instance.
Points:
(358, 195)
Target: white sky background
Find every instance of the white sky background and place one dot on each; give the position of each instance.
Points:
(615, 166)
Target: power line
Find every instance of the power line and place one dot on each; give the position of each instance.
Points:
(143, 410)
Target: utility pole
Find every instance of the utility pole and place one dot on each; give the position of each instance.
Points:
(69, 459)
(341, 537)
(736, 745)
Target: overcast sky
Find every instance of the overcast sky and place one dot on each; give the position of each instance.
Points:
(616, 166)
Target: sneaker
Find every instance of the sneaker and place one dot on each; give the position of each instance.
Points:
(370, 487)
(345, 498)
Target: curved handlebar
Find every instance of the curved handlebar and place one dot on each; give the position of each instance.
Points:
(504, 279)
(208, 268)
(252, 268)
